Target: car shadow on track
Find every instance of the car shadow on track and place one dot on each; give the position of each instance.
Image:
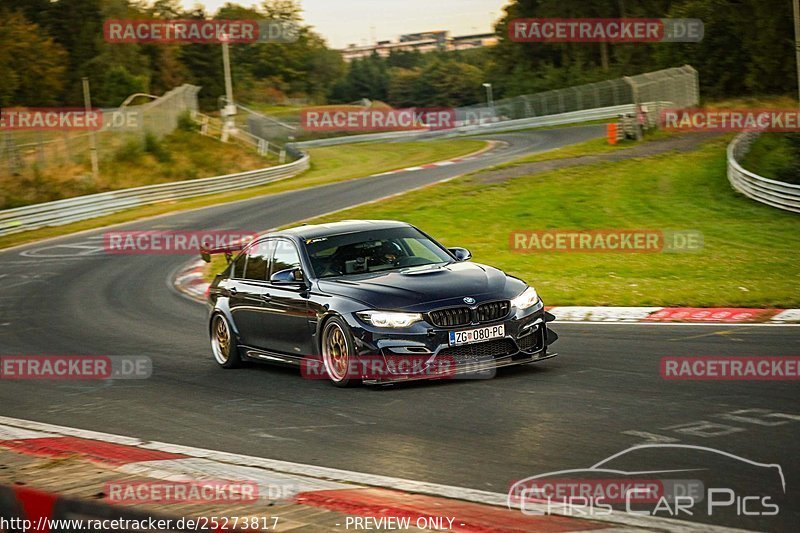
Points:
(285, 375)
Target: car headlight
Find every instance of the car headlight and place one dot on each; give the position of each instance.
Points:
(389, 319)
(527, 299)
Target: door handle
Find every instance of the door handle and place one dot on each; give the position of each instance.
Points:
(233, 291)
(266, 297)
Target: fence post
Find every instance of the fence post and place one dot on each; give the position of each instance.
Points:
(578, 98)
(634, 89)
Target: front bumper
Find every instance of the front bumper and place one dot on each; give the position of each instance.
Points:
(526, 340)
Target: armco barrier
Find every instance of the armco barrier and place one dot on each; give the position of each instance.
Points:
(94, 205)
(50, 512)
(585, 115)
(572, 117)
(774, 193)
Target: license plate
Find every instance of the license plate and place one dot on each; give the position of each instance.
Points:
(470, 336)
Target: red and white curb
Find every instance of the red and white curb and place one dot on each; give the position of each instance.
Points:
(344, 491)
(676, 315)
(190, 282)
(471, 157)
(428, 166)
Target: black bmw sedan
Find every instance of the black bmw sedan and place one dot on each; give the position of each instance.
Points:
(372, 301)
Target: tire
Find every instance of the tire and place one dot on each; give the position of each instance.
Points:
(337, 349)
(226, 352)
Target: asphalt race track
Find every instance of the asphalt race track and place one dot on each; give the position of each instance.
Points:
(602, 395)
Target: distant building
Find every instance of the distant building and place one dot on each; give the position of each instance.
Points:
(465, 42)
(440, 36)
(424, 42)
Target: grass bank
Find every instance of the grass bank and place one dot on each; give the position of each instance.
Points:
(751, 255)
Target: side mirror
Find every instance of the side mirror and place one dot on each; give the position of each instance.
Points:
(290, 276)
(462, 254)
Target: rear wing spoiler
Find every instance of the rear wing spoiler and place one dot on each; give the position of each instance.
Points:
(228, 250)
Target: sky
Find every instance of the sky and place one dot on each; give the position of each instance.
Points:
(342, 22)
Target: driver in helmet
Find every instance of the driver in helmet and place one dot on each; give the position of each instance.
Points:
(388, 253)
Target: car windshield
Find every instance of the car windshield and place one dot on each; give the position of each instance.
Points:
(373, 251)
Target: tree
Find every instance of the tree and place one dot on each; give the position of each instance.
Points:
(449, 83)
(404, 87)
(367, 77)
(32, 65)
(116, 84)
(77, 25)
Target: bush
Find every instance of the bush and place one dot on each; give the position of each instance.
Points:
(130, 152)
(153, 146)
(775, 156)
(185, 122)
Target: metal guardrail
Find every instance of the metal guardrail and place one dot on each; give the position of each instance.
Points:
(415, 135)
(573, 117)
(774, 193)
(70, 210)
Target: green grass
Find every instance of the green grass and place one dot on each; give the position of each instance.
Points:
(596, 146)
(774, 156)
(751, 255)
(329, 164)
(337, 163)
(217, 265)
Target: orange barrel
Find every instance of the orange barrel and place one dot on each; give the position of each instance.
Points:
(612, 133)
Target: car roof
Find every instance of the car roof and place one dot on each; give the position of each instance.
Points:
(313, 231)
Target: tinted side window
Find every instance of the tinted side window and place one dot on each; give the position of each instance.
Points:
(286, 256)
(238, 266)
(257, 261)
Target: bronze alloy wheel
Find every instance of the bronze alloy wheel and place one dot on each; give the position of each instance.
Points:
(223, 343)
(337, 353)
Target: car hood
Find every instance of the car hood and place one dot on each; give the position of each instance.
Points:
(425, 287)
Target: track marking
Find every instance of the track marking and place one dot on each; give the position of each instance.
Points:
(230, 461)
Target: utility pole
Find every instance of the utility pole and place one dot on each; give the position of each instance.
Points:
(87, 102)
(229, 111)
(489, 96)
(797, 42)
